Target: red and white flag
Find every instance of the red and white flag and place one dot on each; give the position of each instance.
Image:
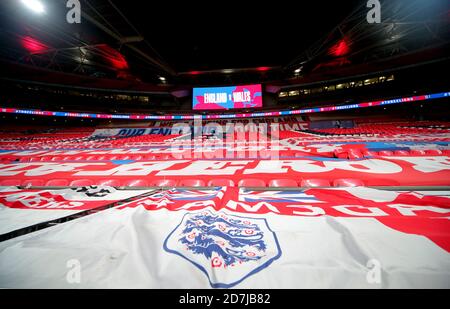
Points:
(236, 238)
(22, 208)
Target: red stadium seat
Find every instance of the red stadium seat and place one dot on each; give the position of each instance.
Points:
(252, 182)
(401, 153)
(7, 159)
(382, 182)
(369, 153)
(34, 183)
(55, 158)
(57, 183)
(417, 152)
(348, 182)
(136, 183)
(315, 183)
(277, 183)
(221, 182)
(433, 152)
(10, 182)
(163, 183)
(109, 182)
(385, 153)
(81, 183)
(191, 183)
(355, 154)
(342, 155)
(149, 157)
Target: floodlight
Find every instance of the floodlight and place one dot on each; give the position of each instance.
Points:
(34, 5)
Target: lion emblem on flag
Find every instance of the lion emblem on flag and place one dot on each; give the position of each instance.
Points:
(227, 248)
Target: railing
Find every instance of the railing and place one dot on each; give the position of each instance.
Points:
(37, 112)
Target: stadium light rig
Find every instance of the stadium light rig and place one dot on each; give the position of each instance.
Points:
(297, 71)
(33, 46)
(262, 69)
(34, 5)
(340, 49)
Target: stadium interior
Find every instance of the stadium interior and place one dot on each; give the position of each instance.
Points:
(112, 111)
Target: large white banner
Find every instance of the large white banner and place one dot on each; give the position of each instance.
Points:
(22, 208)
(230, 238)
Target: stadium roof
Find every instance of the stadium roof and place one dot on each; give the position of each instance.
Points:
(182, 43)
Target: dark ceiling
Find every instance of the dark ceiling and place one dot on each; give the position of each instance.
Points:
(209, 35)
(144, 40)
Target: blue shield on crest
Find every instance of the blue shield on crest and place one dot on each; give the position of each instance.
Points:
(226, 248)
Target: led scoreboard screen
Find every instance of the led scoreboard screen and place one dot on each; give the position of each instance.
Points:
(247, 96)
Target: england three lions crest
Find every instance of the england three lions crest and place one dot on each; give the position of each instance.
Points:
(226, 248)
